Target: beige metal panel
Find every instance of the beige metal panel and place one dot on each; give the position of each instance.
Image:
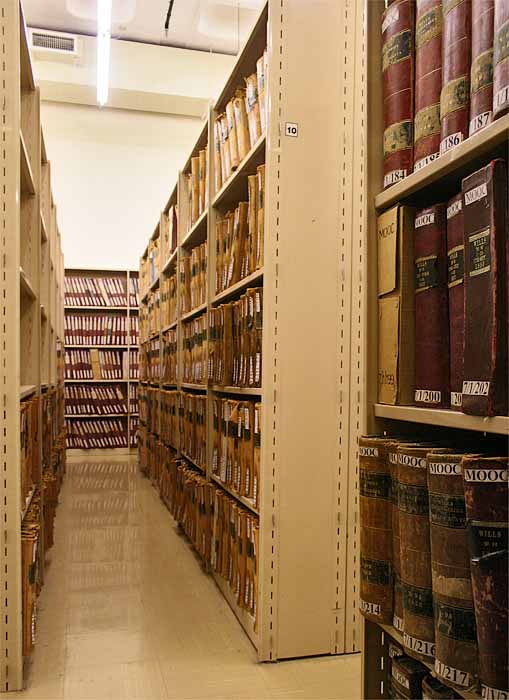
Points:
(11, 661)
(301, 399)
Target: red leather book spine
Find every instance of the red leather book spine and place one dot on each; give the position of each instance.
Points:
(501, 59)
(481, 73)
(456, 285)
(485, 355)
(486, 500)
(431, 309)
(428, 81)
(398, 25)
(455, 95)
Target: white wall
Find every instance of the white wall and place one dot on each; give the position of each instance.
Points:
(112, 173)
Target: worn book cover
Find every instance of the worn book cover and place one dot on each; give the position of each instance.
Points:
(485, 359)
(501, 59)
(456, 286)
(481, 72)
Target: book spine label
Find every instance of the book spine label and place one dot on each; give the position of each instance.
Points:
(456, 287)
(398, 81)
(501, 59)
(481, 72)
(431, 309)
(455, 95)
(428, 81)
(485, 350)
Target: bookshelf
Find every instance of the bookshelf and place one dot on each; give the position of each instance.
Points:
(435, 182)
(101, 325)
(32, 432)
(306, 575)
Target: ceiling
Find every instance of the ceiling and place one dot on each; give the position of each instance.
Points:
(207, 25)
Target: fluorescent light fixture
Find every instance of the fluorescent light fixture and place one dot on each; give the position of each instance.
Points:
(103, 50)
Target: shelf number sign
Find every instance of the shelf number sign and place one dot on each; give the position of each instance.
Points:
(292, 129)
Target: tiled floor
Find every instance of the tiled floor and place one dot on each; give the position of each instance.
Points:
(127, 613)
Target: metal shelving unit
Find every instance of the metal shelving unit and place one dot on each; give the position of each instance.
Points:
(436, 182)
(31, 292)
(307, 565)
(125, 311)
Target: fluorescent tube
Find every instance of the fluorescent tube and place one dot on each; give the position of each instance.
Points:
(103, 49)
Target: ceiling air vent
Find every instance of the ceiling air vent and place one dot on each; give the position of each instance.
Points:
(55, 46)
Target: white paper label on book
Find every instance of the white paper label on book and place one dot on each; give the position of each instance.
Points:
(391, 17)
(400, 678)
(480, 122)
(445, 468)
(394, 176)
(450, 142)
(425, 220)
(486, 475)
(428, 396)
(453, 675)
(413, 461)
(370, 608)
(476, 388)
(368, 451)
(420, 646)
(397, 623)
(456, 399)
(501, 97)
(493, 693)
(423, 162)
(475, 194)
(454, 209)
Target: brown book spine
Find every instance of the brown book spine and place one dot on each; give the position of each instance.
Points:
(481, 72)
(375, 505)
(485, 360)
(428, 81)
(407, 675)
(398, 80)
(431, 309)
(455, 631)
(416, 576)
(501, 59)
(486, 497)
(456, 286)
(455, 95)
(392, 457)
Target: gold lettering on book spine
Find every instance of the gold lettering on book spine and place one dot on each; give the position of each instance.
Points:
(427, 122)
(428, 26)
(454, 96)
(481, 74)
(397, 49)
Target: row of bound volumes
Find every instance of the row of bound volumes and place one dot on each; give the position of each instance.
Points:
(96, 434)
(169, 231)
(235, 341)
(434, 555)
(236, 446)
(154, 259)
(133, 398)
(106, 329)
(169, 374)
(240, 236)
(153, 311)
(95, 291)
(150, 361)
(169, 309)
(197, 186)
(445, 76)
(193, 279)
(96, 364)
(30, 571)
(99, 400)
(194, 428)
(223, 532)
(195, 350)
(411, 680)
(29, 449)
(239, 128)
(134, 366)
(133, 434)
(443, 298)
(134, 291)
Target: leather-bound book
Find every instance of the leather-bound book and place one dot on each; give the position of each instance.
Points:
(481, 72)
(428, 81)
(415, 548)
(407, 675)
(485, 359)
(398, 25)
(433, 689)
(455, 95)
(431, 308)
(486, 498)
(455, 631)
(375, 508)
(456, 286)
(501, 59)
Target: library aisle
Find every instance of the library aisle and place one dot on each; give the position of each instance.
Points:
(126, 612)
